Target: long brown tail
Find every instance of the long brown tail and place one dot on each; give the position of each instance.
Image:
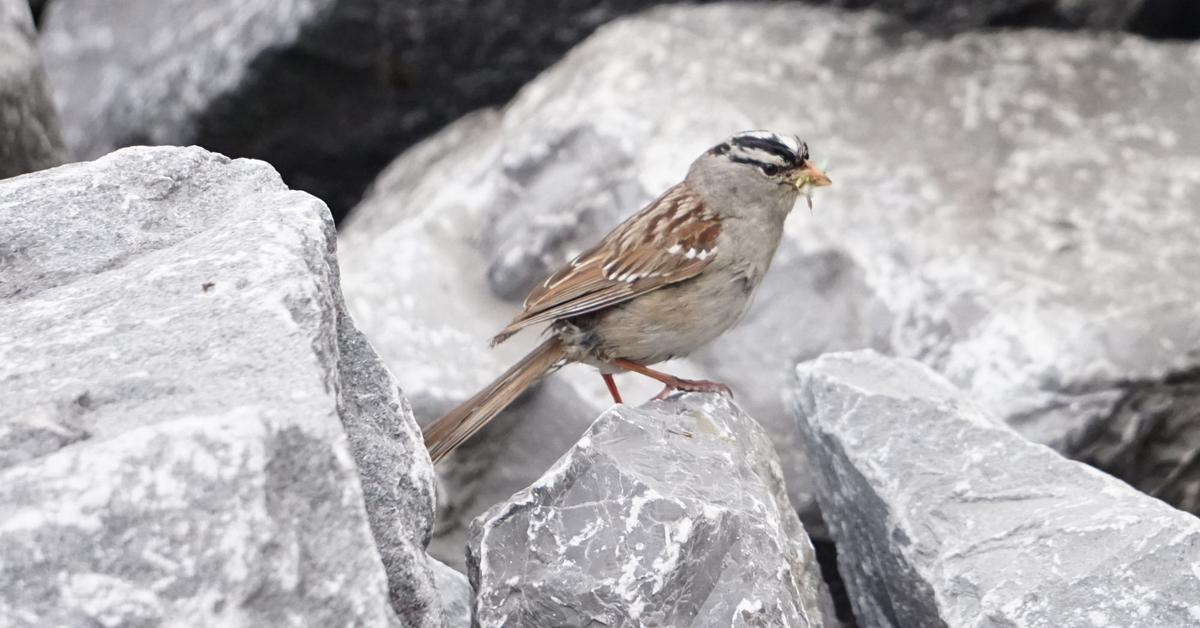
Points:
(445, 434)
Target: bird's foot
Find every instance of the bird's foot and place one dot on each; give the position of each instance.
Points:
(693, 385)
(672, 383)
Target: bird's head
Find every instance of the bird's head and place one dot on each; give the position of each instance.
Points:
(765, 163)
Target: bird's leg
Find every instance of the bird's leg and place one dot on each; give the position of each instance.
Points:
(672, 383)
(612, 387)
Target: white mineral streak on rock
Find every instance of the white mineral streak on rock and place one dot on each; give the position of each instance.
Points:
(650, 523)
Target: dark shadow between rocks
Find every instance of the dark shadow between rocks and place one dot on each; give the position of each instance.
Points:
(1168, 19)
(1151, 439)
(827, 559)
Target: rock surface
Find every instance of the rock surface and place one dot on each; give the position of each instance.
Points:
(945, 517)
(671, 514)
(985, 235)
(29, 135)
(397, 482)
(185, 402)
(328, 91)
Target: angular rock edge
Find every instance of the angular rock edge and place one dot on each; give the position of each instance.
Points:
(672, 513)
(945, 517)
(231, 281)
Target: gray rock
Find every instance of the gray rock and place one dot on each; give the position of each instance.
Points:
(1002, 246)
(239, 76)
(670, 514)
(147, 72)
(185, 402)
(396, 474)
(455, 593)
(326, 90)
(29, 135)
(944, 516)
(511, 454)
(985, 235)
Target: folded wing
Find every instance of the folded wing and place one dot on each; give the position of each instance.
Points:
(671, 240)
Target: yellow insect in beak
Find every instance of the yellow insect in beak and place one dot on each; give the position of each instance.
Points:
(807, 178)
(809, 175)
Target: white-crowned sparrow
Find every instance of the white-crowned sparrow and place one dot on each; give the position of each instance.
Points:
(665, 282)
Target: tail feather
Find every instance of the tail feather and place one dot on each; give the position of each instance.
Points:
(455, 427)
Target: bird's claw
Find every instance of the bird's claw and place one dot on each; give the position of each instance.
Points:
(693, 385)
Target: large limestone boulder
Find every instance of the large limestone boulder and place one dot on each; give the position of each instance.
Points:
(193, 430)
(670, 514)
(1014, 209)
(29, 135)
(944, 516)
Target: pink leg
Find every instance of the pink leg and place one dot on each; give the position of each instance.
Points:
(671, 382)
(612, 387)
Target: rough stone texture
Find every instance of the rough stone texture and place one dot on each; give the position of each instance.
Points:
(173, 72)
(29, 135)
(672, 514)
(456, 594)
(945, 517)
(397, 479)
(1028, 230)
(185, 401)
(328, 91)
(524, 442)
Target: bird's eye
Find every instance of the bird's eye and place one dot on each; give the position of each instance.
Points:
(769, 170)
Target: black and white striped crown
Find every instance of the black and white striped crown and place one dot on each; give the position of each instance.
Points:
(764, 147)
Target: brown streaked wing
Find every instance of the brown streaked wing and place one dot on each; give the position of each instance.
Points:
(670, 240)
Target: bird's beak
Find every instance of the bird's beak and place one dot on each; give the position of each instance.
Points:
(808, 176)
